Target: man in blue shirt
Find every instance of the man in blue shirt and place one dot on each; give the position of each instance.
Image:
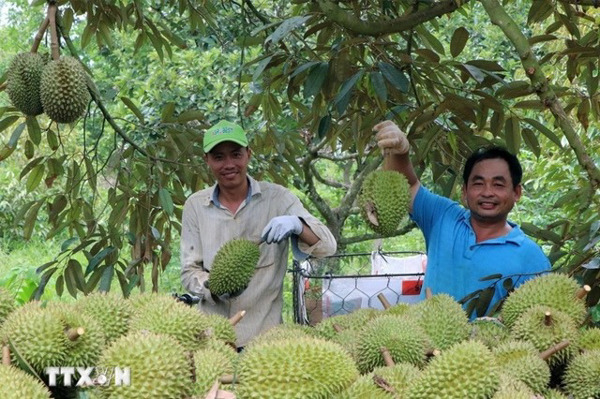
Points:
(467, 244)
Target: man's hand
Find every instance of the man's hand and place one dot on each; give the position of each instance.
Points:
(219, 298)
(390, 139)
(280, 228)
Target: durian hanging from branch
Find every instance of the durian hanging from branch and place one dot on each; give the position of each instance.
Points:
(57, 87)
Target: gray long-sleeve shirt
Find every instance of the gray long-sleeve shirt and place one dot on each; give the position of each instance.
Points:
(207, 226)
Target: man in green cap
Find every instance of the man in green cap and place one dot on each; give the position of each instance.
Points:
(238, 206)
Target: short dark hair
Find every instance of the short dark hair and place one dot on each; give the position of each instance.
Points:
(494, 152)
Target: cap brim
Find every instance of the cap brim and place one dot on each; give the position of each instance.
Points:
(212, 145)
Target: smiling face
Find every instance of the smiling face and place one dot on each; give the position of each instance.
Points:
(228, 162)
(489, 192)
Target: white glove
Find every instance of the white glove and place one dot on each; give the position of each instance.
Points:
(280, 228)
(390, 139)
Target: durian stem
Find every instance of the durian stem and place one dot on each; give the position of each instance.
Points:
(237, 317)
(387, 357)
(53, 33)
(337, 328)
(6, 355)
(428, 293)
(386, 304)
(40, 35)
(582, 293)
(3, 86)
(383, 384)
(74, 333)
(548, 318)
(226, 379)
(553, 349)
(432, 352)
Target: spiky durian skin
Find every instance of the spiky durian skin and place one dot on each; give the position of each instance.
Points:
(164, 315)
(86, 349)
(511, 388)
(7, 304)
(233, 266)
(532, 326)
(209, 366)
(38, 336)
(158, 364)
(298, 368)
(446, 375)
(282, 331)
(23, 83)
(220, 327)
(441, 310)
(555, 290)
(398, 377)
(110, 310)
(63, 90)
(521, 361)
(364, 387)
(16, 384)
(326, 328)
(387, 193)
(401, 336)
(582, 376)
(490, 332)
(589, 339)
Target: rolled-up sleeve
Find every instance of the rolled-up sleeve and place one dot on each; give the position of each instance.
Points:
(327, 245)
(193, 273)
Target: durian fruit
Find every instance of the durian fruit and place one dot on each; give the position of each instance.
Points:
(545, 327)
(63, 90)
(17, 384)
(35, 335)
(441, 310)
(511, 388)
(159, 367)
(110, 310)
(555, 290)
(7, 304)
(582, 376)
(220, 327)
(209, 365)
(398, 309)
(364, 387)
(23, 83)
(553, 393)
(468, 369)
(282, 331)
(298, 368)
(164, 315)
(233, 266)
(588, 339)
(400, 335)
(383, 200)
(329, 328)
(85, 337)
(489, 331)
(397, 377)
(521, 361)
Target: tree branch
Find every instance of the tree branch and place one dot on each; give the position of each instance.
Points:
(356, 25)
(372, 236)
(40, 35)
(329, 183)
(534, 71)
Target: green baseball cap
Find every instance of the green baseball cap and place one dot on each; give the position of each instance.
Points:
(224, 131)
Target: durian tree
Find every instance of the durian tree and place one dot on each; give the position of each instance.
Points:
(309, 79)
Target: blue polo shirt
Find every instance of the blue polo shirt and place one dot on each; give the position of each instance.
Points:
(456, 263)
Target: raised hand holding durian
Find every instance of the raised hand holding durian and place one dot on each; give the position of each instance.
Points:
(468, 242)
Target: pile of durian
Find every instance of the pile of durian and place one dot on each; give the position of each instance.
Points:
(57, 87)
(540, 346)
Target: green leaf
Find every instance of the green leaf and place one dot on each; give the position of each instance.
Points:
(531, 141)
(190, 115)
(314, 80)
(484, 300)
(458, 41)
(285, 28)
(394, 76)
(496, 276)
(35, 177)
(133, 108)
(31, 219)
(9, 148)
(512, 134)
(508, 284)
(66, 244)
(475, 72)
(261, 67)
(324, 126)
(303, 68)
(544, 130)
(33, 128)
(70, 280)
(59, 287)
(166, 202)
(346, 89)
(52, 140)
(167, 112)
(378, 84)
(106, 279)
(6, 122)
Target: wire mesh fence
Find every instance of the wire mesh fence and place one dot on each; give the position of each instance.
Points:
(342, 283)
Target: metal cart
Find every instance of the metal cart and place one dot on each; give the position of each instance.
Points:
(342, 283)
